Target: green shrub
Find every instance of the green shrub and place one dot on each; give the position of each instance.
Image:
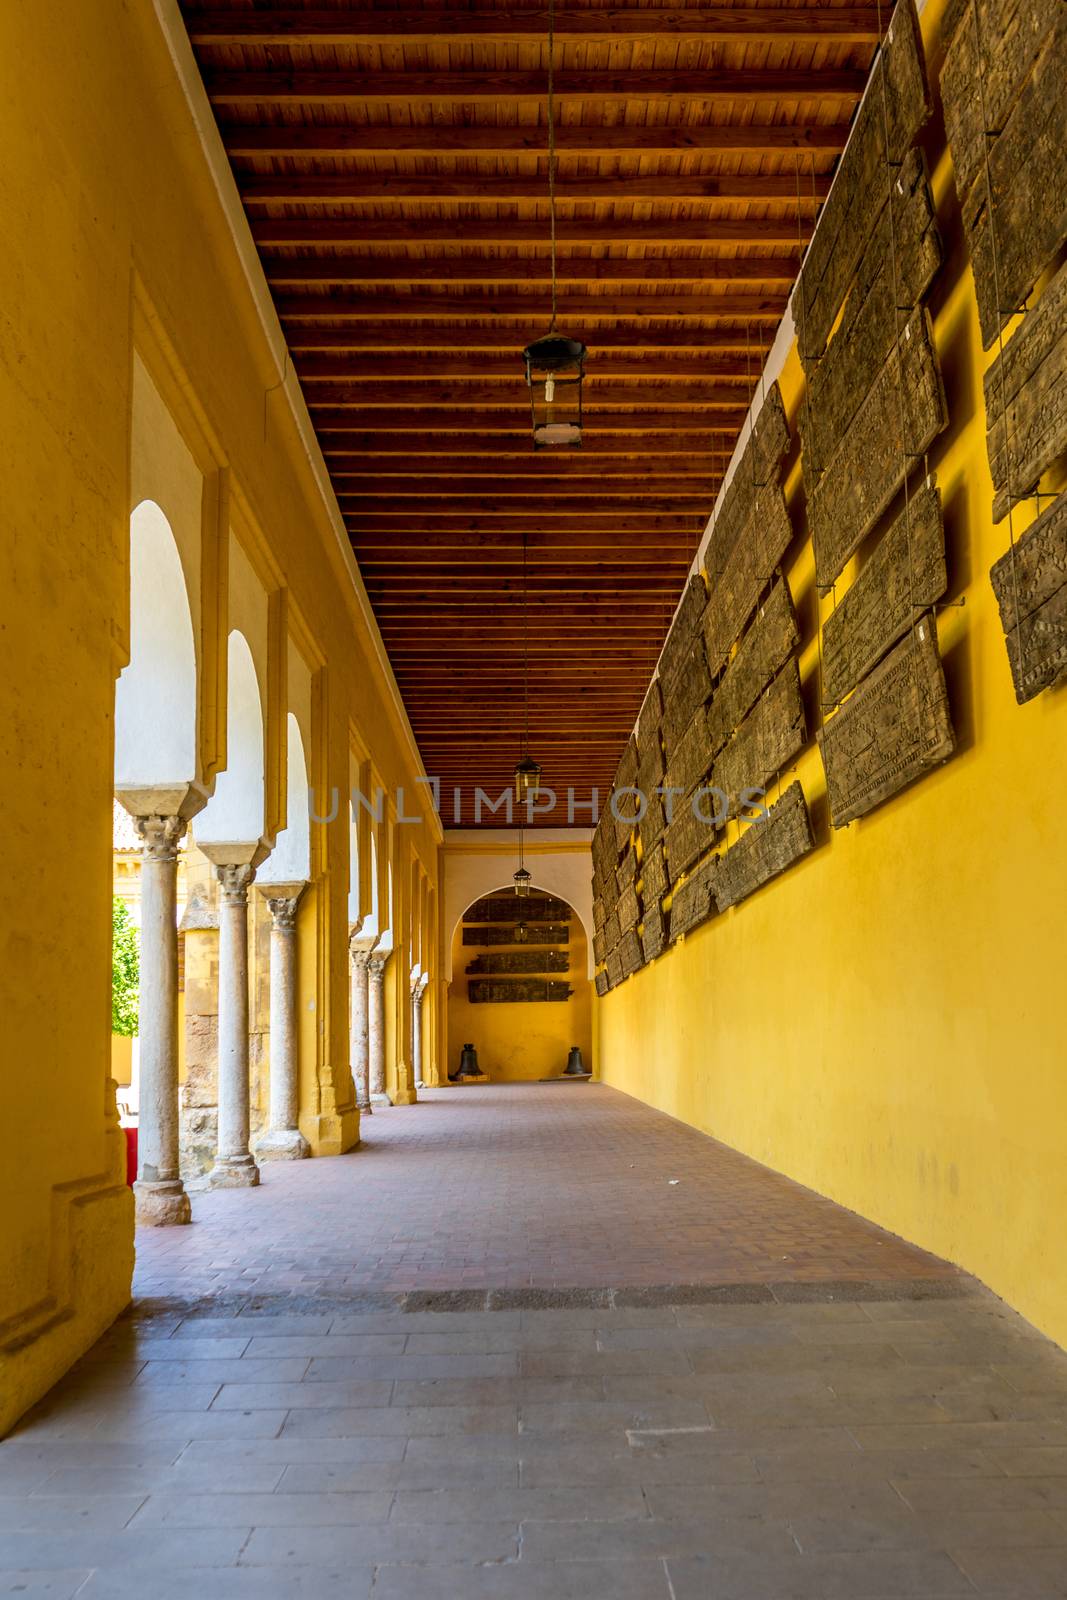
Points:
(125, 970)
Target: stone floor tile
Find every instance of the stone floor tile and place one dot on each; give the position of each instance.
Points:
(154, 1374)
(941, 1530)
(786, 1499)
(938, 1493)
(591, 1500)
(767, 1441)
(963, 1435)
(342, 1582)
(874, 1466)
(322, 1423)
(154, 1548)
(480, 1364)
(192, 1348)
(301, 1396)
(29, 1452)
(236, 1455)
(200, 1475)
(309, 1346)
(105, 1511)
(279, 1510)
(380, 1543)
(44, 1585)
(1013, 1574)
(527, 1580)
(149, 1427)
(19, 1473)
(861, 1575)
(647, 1538)
(612, 1416)
(1038, 1461)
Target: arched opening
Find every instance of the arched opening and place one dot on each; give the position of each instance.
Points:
(523, 1003)
(290, 860)
(235, 811)
(155, 697)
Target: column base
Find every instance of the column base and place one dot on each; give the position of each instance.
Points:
(233, 1172)
(363, 1107)
(405, 1097)
(380, 1100)
(286, 1144)
(161, 1204)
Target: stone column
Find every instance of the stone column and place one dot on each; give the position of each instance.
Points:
(418, 989)
(159, 1193)
(359, 958)
(234, 1167)
(283, 1141)
(376, 1028)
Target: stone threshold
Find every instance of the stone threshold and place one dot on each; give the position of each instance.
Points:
(375, 1302)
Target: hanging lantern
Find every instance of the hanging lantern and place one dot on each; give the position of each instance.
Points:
(527, 779)
(522, 933)
(555, 367)
(521, 880)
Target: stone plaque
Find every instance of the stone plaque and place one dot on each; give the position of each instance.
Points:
(651, 768)
(684, 694)
(534, 908)
(629, 909)
(1019, 203)
(649, 720)
(613, 967)
(654, 933)
(694, 900)
(904, 575)
(690, 756)
(869, 464)
(688, 836)
(626, 875)
(770, 736)
(653, 824)
(496, 991)
(683, 629)
(748, 568)
(601, 983)
(766, 848)
(758, 465)
(631, 956)
(521, 961)
(654, 876)
(1026, 399)
(1031, 589)
(765, 647)
(611, 931)
(893, 275)
(897, 103)
(891, 731)
(600, 945)
(545, 933)
(626, 771)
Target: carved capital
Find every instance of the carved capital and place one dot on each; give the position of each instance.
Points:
(358, 955)
(376, 967)
(283, 911)
(235, 882)
(160, 836)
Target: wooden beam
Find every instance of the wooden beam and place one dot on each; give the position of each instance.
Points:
(324, 86)
(543, 545)
(401, 418)
(398, 510)
(489, 188)
(608, 490)
(462, 25)
(515, 443)
(472, 396)
(357, 470)
(412, 524)
(393, 270)
(498, 336)
(358, 230)
(533, 308)
(603, 367)
(434, 138)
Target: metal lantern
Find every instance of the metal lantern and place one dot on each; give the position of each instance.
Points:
(527, 779)
(555, 367)
(521, 880)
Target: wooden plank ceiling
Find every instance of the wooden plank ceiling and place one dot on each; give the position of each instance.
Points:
(393, 164)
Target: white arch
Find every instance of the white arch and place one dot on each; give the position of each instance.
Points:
(471, 875)
(155, 697)
(290, 860)
(455, 917)
(235, 813)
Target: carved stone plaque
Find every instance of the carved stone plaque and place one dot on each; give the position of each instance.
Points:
(601, 983)
(653, 823)
(897, 102)
(1031, 589)
(690, 756)
(766, 741)
(694, 900)
(891, 731)
(494, 991)
(654, 933)
(684, 694)
(747, 569)
(611, 931)
(683, 629)
(649, 720)
(654, 876)
(626, 874)
(688, 836)
(1015, 214)
(903, 577)
(651, 768)
(765, 647)
(545, 933)
(600, 945)
(894, 273)
(629, 909)
(868, 466)
(765, 848)
(631, 953)
(1026, 398)
(521, 961)
(534, 908)
(758, 466)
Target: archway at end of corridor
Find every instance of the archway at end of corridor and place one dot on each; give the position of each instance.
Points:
(520, 991)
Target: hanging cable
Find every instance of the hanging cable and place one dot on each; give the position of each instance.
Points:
(552, 150)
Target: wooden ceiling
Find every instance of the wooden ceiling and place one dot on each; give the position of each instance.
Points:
(393, 164)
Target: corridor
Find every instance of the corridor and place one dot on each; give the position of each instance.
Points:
(542, 1342)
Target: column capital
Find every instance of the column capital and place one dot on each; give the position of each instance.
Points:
(376, 966)
(235, 881)
(359, 953)
(283, 908)
(160, 836)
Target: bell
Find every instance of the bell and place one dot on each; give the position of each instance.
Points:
(575, 1067)
(468, 1063)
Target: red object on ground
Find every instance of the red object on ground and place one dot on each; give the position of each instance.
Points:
(131, 1154)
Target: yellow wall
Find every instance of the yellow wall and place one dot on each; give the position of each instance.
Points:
(886, 1021)
(116, 232)
(524, 1040)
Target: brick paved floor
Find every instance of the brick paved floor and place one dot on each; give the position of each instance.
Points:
(504, 1187)
(822, 1414)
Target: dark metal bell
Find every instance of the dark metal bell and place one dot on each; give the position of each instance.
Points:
(575, 1067)
(468, 1063)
